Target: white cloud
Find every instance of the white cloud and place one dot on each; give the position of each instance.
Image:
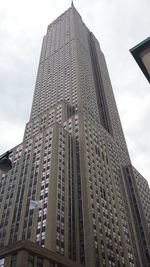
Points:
(11, 135)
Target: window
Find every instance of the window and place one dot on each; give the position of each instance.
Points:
(13, 260)
(39, 262)
(30, 260)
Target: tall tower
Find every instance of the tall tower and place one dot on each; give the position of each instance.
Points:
(74, 158)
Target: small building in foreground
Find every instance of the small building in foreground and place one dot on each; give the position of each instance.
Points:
(26, 253)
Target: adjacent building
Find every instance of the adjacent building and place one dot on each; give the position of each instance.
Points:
(74, 158)
(141, 54)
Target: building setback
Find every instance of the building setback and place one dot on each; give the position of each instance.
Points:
(74, 158)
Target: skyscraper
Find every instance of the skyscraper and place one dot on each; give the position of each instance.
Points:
(74, 159)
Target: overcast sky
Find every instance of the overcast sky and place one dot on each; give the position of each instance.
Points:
(118, 25)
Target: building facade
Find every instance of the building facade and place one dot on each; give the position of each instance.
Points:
(75, 159)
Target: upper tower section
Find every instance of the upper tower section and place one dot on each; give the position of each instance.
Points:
(56, 73)
(72, 68)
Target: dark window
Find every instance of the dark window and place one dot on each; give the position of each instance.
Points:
(13, 260)
(39, 262)
(30, 260)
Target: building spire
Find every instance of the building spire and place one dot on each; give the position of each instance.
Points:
(72, 3)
